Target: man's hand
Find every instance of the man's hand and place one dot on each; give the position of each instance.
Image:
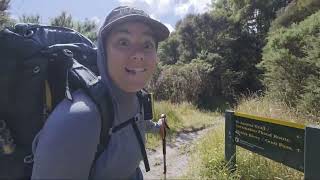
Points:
(163, 126)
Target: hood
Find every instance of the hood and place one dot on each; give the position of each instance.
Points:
(121, 99)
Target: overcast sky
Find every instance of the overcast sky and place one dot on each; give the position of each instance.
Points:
(167, 11)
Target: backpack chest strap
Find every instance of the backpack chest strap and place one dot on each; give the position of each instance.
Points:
(133, 121)
(124, 124)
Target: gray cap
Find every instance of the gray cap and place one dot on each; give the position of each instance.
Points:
(124, 14)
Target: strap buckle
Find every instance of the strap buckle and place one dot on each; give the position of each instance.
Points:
(137, 117)
(110, 131)
(28, 159)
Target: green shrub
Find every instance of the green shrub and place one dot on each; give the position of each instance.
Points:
(291, 62)
(180, 82)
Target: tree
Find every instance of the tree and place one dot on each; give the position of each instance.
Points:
(168, 50)
(187, 35)
(88, 28)
(295, 12)
(230, 39)
(4, 17)
(30, 19)
(63, 20)
(248, 25)
(257, 15)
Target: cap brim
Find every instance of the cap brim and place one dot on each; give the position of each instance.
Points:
(161, 32)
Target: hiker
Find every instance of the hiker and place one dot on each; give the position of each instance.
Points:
(65, 147)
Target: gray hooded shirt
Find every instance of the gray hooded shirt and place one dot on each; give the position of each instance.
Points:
(66, 145)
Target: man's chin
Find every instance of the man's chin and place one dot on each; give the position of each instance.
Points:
(133, 88)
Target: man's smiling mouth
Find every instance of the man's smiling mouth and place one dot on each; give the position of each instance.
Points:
(135, 70)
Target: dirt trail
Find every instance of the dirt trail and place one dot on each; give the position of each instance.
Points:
(177, 155)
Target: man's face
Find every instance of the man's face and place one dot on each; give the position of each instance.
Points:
(131, 55)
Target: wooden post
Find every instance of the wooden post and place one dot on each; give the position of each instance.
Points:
(230, 147)
(311, 153)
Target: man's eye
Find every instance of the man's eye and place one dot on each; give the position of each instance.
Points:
(123, 43)
(149, 45)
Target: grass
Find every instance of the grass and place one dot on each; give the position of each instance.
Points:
(180, 117)
(208, 155)
(268, 107)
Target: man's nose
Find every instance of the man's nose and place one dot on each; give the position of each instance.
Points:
(137, 55)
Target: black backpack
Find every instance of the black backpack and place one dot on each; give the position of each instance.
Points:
(39, 67)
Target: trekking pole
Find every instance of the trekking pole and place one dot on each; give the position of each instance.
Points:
(163, 116)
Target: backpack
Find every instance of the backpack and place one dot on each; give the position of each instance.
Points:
(39, 67)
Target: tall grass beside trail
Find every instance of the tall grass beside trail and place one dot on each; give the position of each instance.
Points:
(180, 117)
(207, 160)
(268, 106)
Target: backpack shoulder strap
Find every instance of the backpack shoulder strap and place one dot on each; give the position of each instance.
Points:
(104, 103)
(95, 89)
